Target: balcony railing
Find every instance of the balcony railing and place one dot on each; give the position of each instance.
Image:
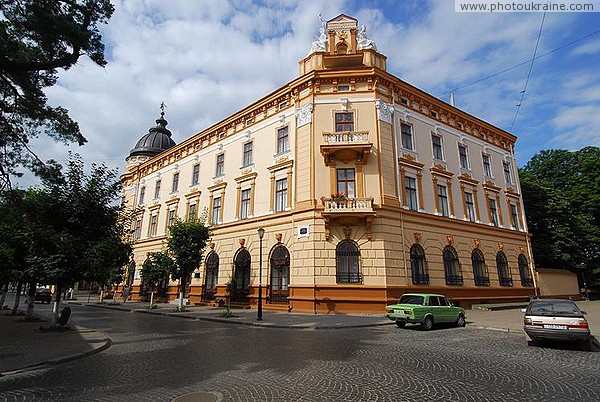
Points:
(346, 205)
(346, 137)
(454, 280)
(506, 281)
(420, 279)
(349, 277)
(527, 282)
(482, 281)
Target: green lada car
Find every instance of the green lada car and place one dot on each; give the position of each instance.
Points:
(425, 309)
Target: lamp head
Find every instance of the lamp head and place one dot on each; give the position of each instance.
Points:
(261, 233)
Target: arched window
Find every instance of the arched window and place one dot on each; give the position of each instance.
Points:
(280, 274)
(418, 267)
(242, 262)
(347, 256)
(211, 276)
(526, 279)
(480, 273)
(131, 273)
(503, 272)
(452, 267)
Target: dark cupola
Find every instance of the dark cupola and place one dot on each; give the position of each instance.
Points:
(157, 140)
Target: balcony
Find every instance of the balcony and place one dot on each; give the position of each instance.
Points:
(346, 146)
(347, 211)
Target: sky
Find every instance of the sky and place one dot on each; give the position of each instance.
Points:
(207, 59)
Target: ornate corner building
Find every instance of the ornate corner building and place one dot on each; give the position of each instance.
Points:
(366, 186)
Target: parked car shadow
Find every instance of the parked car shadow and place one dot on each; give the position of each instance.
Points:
(594, 345)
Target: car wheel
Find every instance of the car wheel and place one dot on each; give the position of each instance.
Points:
(427, 324)
(400, 324)
(460, 321)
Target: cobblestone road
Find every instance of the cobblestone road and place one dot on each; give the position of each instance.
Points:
(161, 358)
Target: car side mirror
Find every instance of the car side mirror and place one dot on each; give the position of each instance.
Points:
(523, 310)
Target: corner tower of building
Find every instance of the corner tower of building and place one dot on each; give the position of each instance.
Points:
(341, 43)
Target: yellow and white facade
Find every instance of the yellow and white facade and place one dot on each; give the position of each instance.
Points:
(366, 186)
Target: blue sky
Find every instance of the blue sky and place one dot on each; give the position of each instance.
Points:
(206, 59)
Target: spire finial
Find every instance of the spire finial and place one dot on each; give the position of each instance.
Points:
(162, 109)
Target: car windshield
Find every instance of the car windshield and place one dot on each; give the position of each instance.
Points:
(411, 299)
(555, 308)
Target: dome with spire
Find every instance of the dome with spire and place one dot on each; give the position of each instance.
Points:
(157, 140)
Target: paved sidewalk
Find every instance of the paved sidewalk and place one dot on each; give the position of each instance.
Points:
(24, 347)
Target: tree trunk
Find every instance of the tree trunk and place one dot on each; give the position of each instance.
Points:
(30, 301)
(3, 295)
(181, 291)
(115, 292)
(17, 299)
(102, 294)
(151, 297)
(54, 320)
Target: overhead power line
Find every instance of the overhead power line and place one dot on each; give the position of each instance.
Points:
(520, 64)
(537, 43)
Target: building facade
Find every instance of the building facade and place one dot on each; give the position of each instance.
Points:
(366, 187)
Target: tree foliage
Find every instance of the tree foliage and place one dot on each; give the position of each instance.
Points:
(561, 193)
(38, 37)
(186, 242)
(155, 267)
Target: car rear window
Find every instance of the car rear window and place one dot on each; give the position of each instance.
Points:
(411, 299)
(555, 308)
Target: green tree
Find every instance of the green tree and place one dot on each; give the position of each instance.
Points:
(561, 193)
(14, 208)
(79, 231)
(38, 37)
(186, 243)
(156, 266)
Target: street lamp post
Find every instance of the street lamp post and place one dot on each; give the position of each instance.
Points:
(259, 317)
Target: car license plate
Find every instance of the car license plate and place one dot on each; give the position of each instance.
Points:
(554, 326)
(398, 311)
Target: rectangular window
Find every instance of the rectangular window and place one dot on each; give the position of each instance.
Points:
(442, 196)
(142, 194)
(281, 190)
(344, 122)
(470, 204)
(346, 182)
(247, 159)
(282, 140)
(157, 189)
(171, 218)
(487, 167)
(175, 186)
(410, 184)
(196, 174)
(436, 141)
(220, 165)
(464, 158)
(507, 173)
(493, 211)
(192, 212)
(138, 229)
(216, 211)
(515, 216)
(407, 137)
(245, 204)
(153, 224)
